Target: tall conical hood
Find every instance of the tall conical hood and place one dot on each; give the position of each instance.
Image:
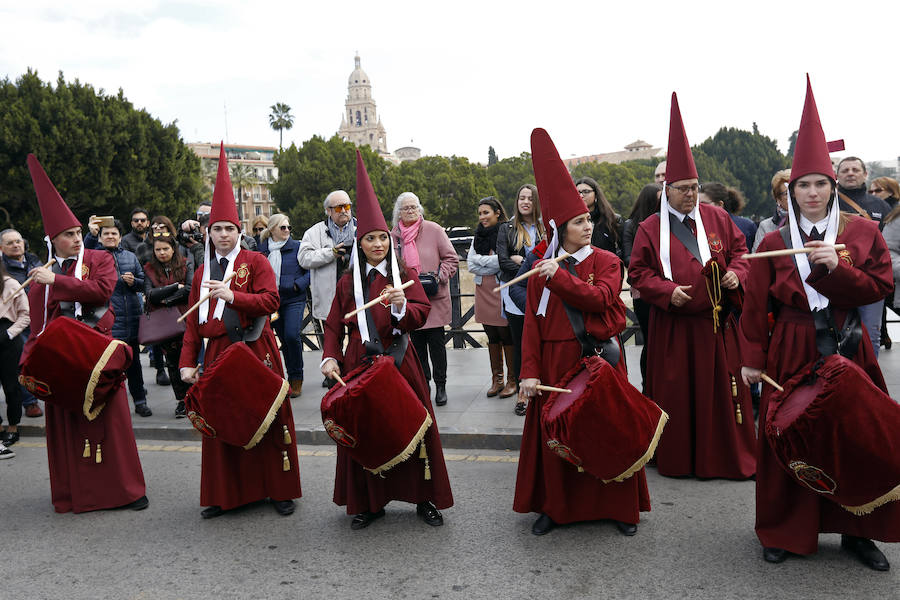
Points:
(679, 160)
(559, 197)
(223, 205)
(811, 150)
(56, 214)
(368, 212)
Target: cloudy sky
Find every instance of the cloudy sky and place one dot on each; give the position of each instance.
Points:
(457, 77)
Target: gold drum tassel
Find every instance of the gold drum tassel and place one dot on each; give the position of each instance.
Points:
(287, 434)
(734, 390)
(98, 458)
(87, 449)
(423, 453)
(285, 461)
(737, 415)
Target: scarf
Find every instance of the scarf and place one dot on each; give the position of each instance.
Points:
(210, 254)
(665, 237)
(355, 257)
(76, 273)
(780, 216)
(486, 239)
(408, 234)
(275, 257)
(339, 236)
(813, 298)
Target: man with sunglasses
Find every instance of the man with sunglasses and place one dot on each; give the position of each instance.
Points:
(140, 226)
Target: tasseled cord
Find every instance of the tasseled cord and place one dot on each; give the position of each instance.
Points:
(285, 461)
(98, 458)
(286, 434)
(715, 293)
(738, 416)
(423, 453)
(87, 449)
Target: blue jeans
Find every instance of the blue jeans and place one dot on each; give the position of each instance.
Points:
(287, 327)
(870, 315)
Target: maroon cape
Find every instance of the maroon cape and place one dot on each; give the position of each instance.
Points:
(231, 476)
(80, 484)
(789, 516)
(545, 483)
(355, 487)
(690, 368)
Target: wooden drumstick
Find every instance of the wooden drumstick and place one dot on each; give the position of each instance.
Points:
(372, 303)
(338, 378)
(202, 299)
(550, 388)
(25, 284)
(528, 274)
(771, 382)
(788, 252)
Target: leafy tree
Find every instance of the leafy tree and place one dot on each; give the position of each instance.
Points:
(792, 141)
(280, 119)
(620, 183)
(103, 155)
(508, 175)
(492, 156)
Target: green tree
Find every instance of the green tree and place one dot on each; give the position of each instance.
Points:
(280, 119)
(242, 176)
(103, 155)
(620, 183)
(492, 156)
(792, 143)
(508, 175)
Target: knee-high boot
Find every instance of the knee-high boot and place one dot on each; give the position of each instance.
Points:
(495, 351)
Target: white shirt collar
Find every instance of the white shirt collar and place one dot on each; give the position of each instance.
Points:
(806, 225)
(382, 268)
(582, 253)
(231, 255)
(680, 215)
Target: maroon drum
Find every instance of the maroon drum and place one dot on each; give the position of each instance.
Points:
(237, 398)
(604, 426)
(377, 416)
(75, 367)
(836, 433)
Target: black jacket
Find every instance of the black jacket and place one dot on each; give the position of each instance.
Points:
(877, 208)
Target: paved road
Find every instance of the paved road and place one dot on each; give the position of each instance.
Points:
(698, 542)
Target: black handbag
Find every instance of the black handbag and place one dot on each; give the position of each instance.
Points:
(160, 325)
(430, 283)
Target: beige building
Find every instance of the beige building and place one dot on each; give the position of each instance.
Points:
(252, 164)
(636, 150)
(360, 122)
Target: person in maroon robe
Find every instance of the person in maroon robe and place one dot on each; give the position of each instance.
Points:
(231, 476)
(545, 483)
(79, 285)
(789, 517)
(365, 495)
(686, 262)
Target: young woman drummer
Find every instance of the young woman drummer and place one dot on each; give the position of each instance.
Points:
(545, 483)
(789, 518)
(365, 495)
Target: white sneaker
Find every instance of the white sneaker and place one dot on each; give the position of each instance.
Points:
(6, 452)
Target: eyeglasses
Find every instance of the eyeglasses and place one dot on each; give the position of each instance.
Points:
(340, 208)
(876, 190)
(285, 228)
(781, 194)
(137, 220)
(258, 229)
(412, 208)
(686, 189)
(586, 192)
(157, 234)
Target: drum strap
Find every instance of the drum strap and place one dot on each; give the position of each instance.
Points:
(90, 315)
(607, 349)
(230, 318)
(374, 347)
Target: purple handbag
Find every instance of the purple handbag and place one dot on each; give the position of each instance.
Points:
(160, 325)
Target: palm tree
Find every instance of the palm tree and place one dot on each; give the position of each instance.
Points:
(242, 176)
(280, 119)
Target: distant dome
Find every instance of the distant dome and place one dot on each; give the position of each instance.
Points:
(358, 76)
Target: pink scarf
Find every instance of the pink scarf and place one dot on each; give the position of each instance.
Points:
(409, 233)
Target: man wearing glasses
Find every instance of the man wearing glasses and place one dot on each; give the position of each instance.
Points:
(686, 263)
(140, 225)
(325, 251)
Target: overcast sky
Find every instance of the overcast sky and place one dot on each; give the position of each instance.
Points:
(457, 77)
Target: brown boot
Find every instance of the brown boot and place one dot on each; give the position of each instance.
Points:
(511, 386)
(495, 351)
(296, 388)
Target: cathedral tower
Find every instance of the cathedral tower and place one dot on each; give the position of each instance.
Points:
(360, 123)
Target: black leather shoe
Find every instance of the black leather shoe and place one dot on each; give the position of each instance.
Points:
(543, 525)
(429, 514)
(628, 529)
(363, 520)
(162, 378)
(143, 409)
(774, 555)
(284, 507)
(211, 512)
(520, 409)
(9, 438)
(180, 410)
(139, 504)
(866, 551)
(440, 394)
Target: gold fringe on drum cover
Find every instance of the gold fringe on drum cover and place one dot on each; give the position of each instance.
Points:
(408, 451)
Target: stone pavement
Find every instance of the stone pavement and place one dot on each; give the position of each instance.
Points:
(469, 420)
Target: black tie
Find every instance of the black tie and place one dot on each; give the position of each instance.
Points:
(61, 270)
(689, 222)
(223, 262)
(815, 235)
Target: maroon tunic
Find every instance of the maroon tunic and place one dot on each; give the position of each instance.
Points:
(788, 515)
(545, 483)
(80, 484)
(355, 487)
(690, 368)
(231, 476)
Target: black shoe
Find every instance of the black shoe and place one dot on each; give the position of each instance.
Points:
(429, 514)
(143, 410)
(628, 529)
(329, 383)
(284, 507)
(543, 525)
(774, 555)
(162, 378)
(520, 409)
(139, 504)
(363, 520)
(9, 438)
(211, 512)
(440, 394)
(180, 410)
(866, 551)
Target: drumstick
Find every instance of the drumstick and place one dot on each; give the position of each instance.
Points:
(25, 284)
(338, 377)
(787, 252)
(528, 274)
(372, 303)
(550, 388)
(202, 299)
(771, 382)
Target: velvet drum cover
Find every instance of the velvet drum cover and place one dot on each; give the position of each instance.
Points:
(604, 426)
(377, 416)
(237, 398)
(75, 367)
(838, 435)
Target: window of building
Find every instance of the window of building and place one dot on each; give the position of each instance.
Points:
(257, 210)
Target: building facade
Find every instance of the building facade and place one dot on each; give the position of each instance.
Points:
(360, 122)
(636, 150)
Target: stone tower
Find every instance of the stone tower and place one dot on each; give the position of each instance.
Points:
(360, 123)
